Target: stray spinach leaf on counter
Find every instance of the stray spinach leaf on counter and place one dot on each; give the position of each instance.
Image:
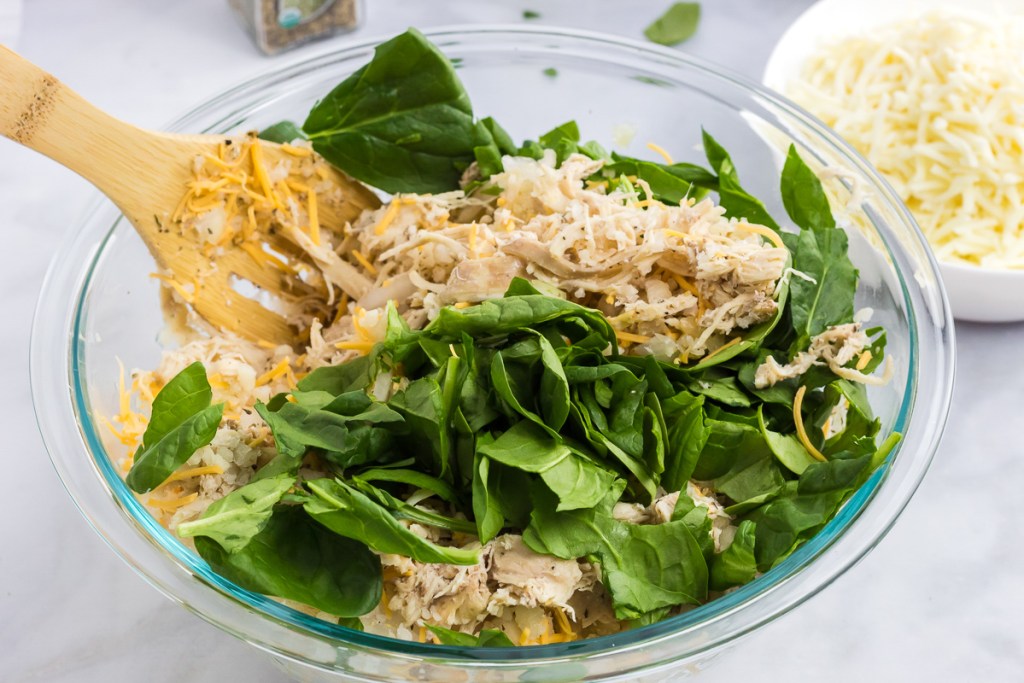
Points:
(676, 25)
(531, 14)
(183, 421)
(519, 414)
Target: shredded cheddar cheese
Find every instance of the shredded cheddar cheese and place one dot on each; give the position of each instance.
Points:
(723, 347)
(658, 149)
(632, 338)
(193, 472)
(283, 367)
(764, 231)
(364, 262)
(173, 504)
(798, 419)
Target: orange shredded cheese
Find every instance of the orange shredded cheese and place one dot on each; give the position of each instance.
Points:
(282, 368)
(260, 171)
(193, 472)
(632, 338)
(563, 621)
(361, 346)
(172, 505)
(364, 262)
(798, 419)
(314, 217)
(389, 215)
(723, 347)
(864, 359)
(764, 231)
(686, 285)
(658, 149)
(296, 151)
(188, 296)
(524, 636)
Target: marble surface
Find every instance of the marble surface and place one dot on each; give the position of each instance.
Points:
(940, 599)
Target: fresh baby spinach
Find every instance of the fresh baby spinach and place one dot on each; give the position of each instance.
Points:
(182, 421)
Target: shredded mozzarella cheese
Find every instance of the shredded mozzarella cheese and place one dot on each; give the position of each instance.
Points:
(937, 104)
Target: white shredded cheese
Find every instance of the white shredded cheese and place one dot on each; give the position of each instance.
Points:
(937, 104)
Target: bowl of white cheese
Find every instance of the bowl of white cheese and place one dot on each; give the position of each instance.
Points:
(932, 93)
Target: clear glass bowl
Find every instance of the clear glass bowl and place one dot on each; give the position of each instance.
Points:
(98, 305)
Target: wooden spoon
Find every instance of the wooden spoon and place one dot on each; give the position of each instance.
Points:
(146, 174)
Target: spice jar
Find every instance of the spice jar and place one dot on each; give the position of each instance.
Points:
(277, 25)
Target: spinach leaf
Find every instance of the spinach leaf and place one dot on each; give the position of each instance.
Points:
(415, 478)
(420, 403)
(578, 482)
(295, 558)
(349, 439)
(403, 510)
(676, 25)
(233, 521)
(644, 567)
(738, 462)
(696, 519)
(687, 435)
(489, 637)
(354, 375)
(644, 485)
(566, 132)
(827, 299)
(347, 512)
(736, 201)
(401, 123)
(512, 385)
(182, 421)
(527, 447)
(554, 387)
(787, 448)
(282, 132)
(670, 183)
(498, 317)
(486, 509)
(736, 565)
(803, 195)
(788, 519)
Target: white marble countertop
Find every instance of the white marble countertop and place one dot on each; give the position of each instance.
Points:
(940, 599)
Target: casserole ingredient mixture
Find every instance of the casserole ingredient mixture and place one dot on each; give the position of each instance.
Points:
(545, 392)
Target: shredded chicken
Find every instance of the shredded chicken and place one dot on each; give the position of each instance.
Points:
(511, 588)
(836, 347)
(675, 279)
(661, 509)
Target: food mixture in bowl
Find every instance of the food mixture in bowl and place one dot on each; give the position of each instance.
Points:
(544, 392)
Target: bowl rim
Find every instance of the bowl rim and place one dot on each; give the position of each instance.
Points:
(48, 321)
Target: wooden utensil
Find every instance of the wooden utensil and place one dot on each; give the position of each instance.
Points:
(146, 174)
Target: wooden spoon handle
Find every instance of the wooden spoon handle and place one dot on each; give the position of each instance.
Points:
(40, 112)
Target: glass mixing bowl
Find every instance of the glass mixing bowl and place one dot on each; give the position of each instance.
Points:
(99, 305)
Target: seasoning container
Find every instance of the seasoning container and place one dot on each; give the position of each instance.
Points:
(277, 25)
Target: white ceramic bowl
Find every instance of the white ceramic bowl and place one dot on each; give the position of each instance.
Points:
(976, 294)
